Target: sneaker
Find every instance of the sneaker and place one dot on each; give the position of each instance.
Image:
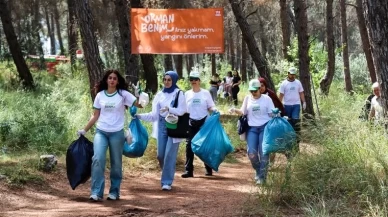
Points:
(260, 182)
(187, 175)
(95, 198)
(166, 188)
(112, 197)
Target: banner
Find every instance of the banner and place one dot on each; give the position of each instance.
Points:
(177, 31)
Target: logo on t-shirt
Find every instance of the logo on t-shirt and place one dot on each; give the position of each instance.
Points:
(109, 106)
(292, 88)
(196, 102)
(256, 110)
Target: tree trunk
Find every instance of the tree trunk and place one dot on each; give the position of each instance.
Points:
(376, 16)
(259, 60)
(190, 63)
(89, 44)
(23, 71)
(50, 31)
(52, 35)
(131, 62)
(150, 72)
(328, 78)
(232, 57)
(37, 27)
(300, 9)
(238, 49)
(365, 41)
(345, 48)
(58, 28)
(168, 65)
(244, 57)
(285, 23)
(178, 59)
(72, 32)
(214, 65)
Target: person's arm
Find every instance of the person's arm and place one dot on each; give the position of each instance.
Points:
(182, 107)
(281, 95)
(238, 83)
(302, 99)
(92, 120)
(242, 110)
(154, 114)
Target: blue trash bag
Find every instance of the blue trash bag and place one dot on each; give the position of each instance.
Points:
(279, 136)
(211, 144)
(79, 161)
(139, 137)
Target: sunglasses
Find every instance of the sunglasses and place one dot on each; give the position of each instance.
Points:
(193, 79)
(167, 79)
(253, 91)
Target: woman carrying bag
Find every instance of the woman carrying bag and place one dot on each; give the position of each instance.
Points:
(109, 113)
(258, 108)
(162, 107)
(199, 103)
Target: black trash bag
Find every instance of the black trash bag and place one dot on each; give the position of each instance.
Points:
(79, 161)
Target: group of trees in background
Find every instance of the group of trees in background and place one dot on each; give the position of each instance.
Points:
(257, 33)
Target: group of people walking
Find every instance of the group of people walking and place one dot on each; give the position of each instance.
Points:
(113, 98)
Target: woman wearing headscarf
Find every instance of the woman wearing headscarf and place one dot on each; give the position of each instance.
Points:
(162, 105)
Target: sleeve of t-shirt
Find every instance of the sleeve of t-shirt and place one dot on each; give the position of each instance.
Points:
(270, 105)
(96, 103)
(129, 99)
(300, 87)
(281, 88)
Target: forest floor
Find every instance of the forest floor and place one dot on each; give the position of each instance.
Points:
(230, 192)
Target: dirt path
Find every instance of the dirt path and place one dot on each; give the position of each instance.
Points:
(224, 194)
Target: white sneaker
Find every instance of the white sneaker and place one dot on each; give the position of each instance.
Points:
(94, 198)
(166, 188)
(112, 197)
(260, 182)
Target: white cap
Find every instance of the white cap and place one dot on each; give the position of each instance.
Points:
(292, 70)
(254, 84)
(194, 74)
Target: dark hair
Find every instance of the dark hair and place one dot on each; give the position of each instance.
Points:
(229, 73)
(121, 85)
(238, 75)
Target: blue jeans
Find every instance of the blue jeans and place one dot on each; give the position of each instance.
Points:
(255, 151)
(166, 154)
(115, 142)
(213, 92)
(292, 111)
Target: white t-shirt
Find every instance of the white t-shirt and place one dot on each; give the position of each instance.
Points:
(291, 91)
(162, 100)
(378, 109)
(257, 110)
(198, 103)
(112, 109)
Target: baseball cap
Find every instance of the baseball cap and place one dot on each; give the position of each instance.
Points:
(254, 84)
(292, 70)
(194, 74)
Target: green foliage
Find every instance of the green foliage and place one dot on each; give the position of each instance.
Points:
(20, 173)
(343, 171)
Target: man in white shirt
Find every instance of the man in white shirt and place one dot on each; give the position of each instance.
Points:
(292, 95)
